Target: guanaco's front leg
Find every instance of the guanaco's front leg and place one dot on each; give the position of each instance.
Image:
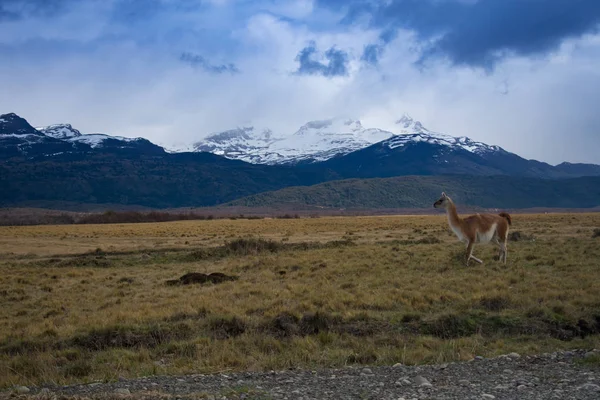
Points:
(470, 253)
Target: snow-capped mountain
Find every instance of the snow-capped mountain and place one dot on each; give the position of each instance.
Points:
(322, 140)
(18, 138)
(342, 146)
(95, 140)
(314, 141)
(413, 132)
(13, 125)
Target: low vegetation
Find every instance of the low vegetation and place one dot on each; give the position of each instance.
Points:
(8, 217)
(80, 303)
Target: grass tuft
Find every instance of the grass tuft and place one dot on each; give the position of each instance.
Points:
(495, 303)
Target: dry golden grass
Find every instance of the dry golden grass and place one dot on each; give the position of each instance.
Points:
(377, 290)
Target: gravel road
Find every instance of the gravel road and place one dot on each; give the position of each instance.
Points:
(559, 375)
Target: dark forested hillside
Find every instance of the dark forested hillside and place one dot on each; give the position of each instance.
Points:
(422, 191)
(177, 180)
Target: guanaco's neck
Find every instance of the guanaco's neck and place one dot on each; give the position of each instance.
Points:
(453, 217)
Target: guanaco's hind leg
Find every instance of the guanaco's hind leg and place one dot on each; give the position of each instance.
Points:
(503, 249)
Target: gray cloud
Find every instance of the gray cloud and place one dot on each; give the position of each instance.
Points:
(18, 9)
(481, 33)
(337, 62)
(197, 61)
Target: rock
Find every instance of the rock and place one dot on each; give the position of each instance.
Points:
(123, 391)
(488, 396)
(464, 382)
(421, 381)
(590, 354)
(479, 358)
(367, 371)
(502, 387)
(514, 355)
(398, 365)
(22, 389)
(521, 387)
(589, 386)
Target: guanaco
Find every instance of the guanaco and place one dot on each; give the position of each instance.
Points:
(478, 228)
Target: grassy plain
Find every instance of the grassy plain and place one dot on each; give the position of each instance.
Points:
(80, 303)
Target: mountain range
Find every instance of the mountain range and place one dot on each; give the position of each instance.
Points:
(58, 164)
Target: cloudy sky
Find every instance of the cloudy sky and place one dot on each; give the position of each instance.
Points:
(522, 74)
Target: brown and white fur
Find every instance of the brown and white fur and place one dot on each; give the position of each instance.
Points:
(478, 228)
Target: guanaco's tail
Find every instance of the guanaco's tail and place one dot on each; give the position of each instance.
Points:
(505, 215)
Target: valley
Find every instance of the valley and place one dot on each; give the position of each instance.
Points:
(91, 302)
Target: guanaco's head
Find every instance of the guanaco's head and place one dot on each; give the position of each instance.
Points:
(443, 202)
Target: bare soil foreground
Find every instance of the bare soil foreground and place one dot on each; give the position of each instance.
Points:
(560, 375)
(236, 299)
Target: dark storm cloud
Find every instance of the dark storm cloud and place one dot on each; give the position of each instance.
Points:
(337, 64)
(480, 33)
(197, 61)
(19, 9)
(123, 10)
(7, 15)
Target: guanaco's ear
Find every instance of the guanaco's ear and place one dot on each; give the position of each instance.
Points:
(443, 194)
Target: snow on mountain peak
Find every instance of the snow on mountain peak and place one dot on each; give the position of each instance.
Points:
(315, 140)
(462, 142)
(68, 133)
(410, 126)
(59, 131)
(323, 139)
(240, 143)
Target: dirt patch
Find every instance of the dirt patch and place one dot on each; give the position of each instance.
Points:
(518, 236)
(200, 278)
